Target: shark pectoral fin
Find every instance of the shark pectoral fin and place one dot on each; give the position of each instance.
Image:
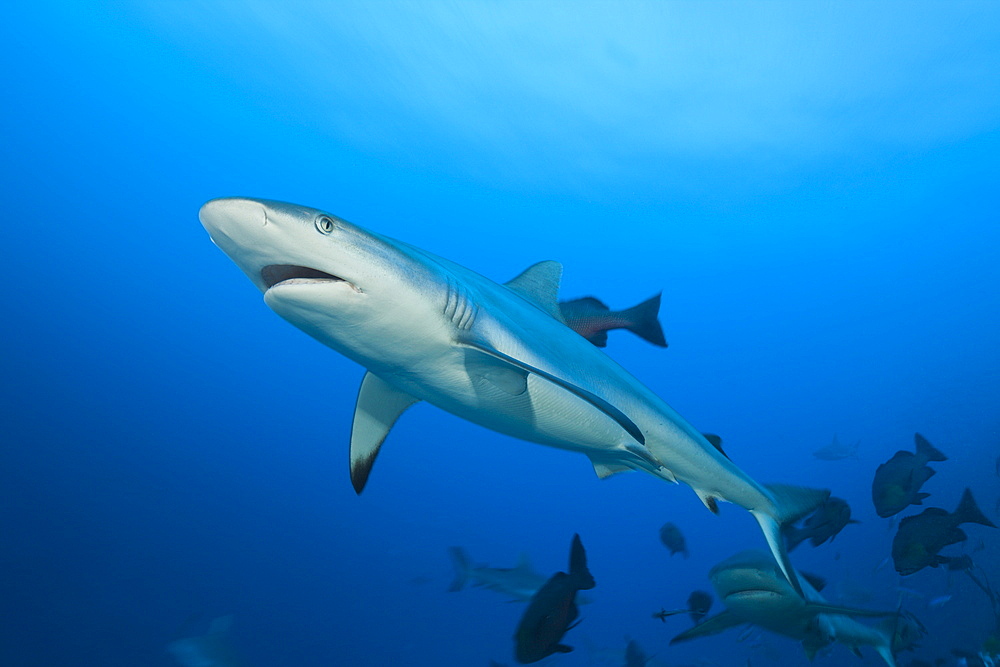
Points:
(508, 379)
(605, 470)
(590, 397)
(712, 625)
(379, 406)
(539, 284)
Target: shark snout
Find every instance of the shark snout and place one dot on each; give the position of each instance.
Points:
(226, 216)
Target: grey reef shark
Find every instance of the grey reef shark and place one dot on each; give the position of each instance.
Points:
(498, 355)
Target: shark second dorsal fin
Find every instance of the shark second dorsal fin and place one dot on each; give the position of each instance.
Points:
(539, 284)
(379, 406)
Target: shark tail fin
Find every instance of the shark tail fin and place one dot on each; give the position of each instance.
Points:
(790, 503)
(460, 560)
(968, 511)
(578, 565)
(928, 451)
(643, 321)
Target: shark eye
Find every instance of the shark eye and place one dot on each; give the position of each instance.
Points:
(324, 224)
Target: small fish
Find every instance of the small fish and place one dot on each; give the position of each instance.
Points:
(552, 610)
(825, 523)
(939, 601)
(921, 537)
(699, 602)
(663, 614)
(590, 318)
(634, 655)
(836, 451)
(897, 482)
(673, 539)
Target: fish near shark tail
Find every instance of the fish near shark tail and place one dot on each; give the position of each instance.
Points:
(926, 450)
(578, 565)
(643, 321)
(789, 503)
(460, 561)
(968, 511)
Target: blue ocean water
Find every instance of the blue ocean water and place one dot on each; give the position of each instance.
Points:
(814, 188)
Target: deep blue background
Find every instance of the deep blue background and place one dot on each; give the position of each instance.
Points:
(815, 188)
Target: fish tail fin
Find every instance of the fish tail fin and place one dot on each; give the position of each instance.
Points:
(460, 560)
(643, 321)
(927, 450)
(790, 503)
(578, 565)
(968, 511)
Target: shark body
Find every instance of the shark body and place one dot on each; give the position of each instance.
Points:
(754, 591)
(497, 355)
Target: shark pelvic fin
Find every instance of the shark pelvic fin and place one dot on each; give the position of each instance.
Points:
(539, 284)
(710, 501)
(605, 470)
(593, 399)
(379, 406)
(712, 625)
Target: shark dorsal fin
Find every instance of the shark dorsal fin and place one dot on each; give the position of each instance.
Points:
(539, 284)
(379, 406)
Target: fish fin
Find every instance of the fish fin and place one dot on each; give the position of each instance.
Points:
(605, 470)
(710, 501)
(715, 441)
(578, 565)
(460, 561)
(643, 321)
(790, 504)
(539, 284)
(562, 648)
(927, 450)
(884, 649)
(919, 500)
(712, 625)
(505, 377)
(599, 338)
(378, 407)
(816, 581)
(968, 511)
(595, 400)
(590, 301)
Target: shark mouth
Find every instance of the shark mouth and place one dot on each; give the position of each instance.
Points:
(274, 274)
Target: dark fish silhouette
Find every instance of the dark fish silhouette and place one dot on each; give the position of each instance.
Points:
(897, 481)
(590, 318)
(634, 655)
(699, 602)
(921, 537)
(824, 524)
(673, 539)
(552, 610)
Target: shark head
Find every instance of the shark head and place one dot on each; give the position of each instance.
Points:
(335, 280)
(750, 577)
